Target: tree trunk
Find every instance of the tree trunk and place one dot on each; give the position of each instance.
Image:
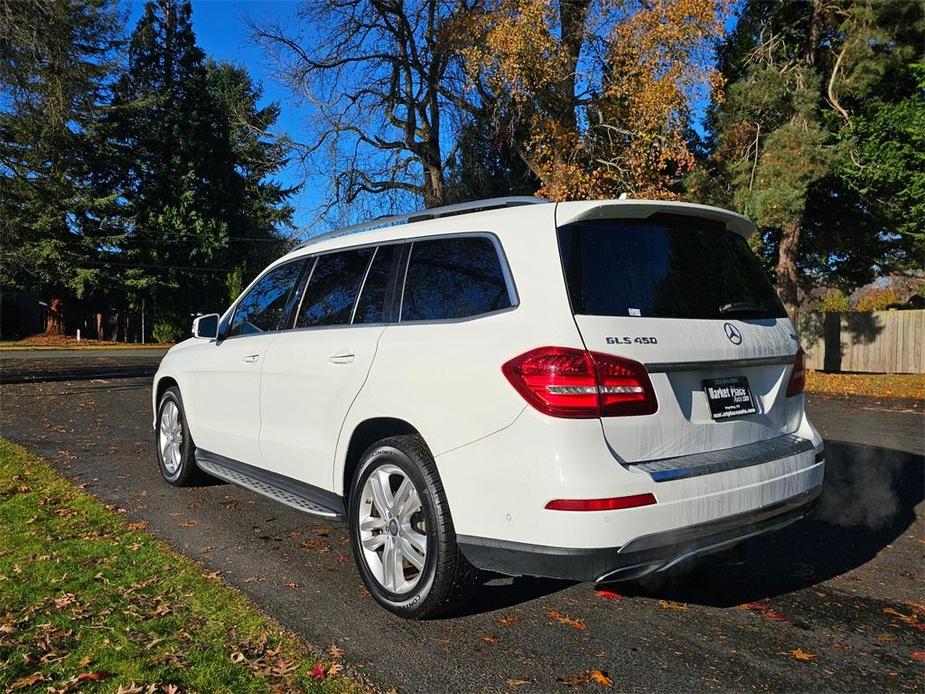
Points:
(787, 274)
(54, 323)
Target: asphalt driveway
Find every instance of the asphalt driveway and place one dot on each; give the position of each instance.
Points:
(834, 602)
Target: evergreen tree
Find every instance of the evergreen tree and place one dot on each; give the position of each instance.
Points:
(190, 164)
(818, 135)
(56, 61)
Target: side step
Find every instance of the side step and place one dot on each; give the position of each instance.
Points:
(298, 495)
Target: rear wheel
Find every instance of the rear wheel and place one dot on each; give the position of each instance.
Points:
(402, 533)
(173, 443)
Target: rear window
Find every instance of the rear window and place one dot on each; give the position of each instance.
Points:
(453, 278)
(674, 268)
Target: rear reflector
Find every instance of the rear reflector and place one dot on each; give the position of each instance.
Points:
(820, 456)
(567, 382)
(797, 375)
(601, 504)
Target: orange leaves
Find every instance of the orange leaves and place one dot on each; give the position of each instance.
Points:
(508, 620)
(911, 386)
(764, 609)
(799, 654)
(590, 676)
(672, 605)
(911, 620)
(573, 622)
(490, 639)
(608, 595)
(918, 655)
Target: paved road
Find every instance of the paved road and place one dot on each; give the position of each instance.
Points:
(833, 585)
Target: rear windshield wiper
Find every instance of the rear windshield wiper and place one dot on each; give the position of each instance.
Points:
(743, 307)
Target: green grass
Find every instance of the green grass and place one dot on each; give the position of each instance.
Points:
(90, 601)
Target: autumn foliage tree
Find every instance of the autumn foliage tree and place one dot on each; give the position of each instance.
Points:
(600, 94)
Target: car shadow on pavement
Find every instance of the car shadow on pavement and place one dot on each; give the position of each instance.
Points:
(501, 592)
(868, 501)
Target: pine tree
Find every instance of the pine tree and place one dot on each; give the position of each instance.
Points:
(190, 166)
(56, 61)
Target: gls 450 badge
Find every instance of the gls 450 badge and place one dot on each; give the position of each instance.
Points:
(631, 340)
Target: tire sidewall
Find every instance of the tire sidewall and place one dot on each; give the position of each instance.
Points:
(173, 395)
(405, 604)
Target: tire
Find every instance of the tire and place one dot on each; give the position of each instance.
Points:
(179, 466)
(446, 580)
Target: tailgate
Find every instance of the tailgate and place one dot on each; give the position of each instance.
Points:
(677, 289)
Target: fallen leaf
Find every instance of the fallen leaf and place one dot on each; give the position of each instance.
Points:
(508, 620)
(607, 594)
(336, 651)
(765, 611)
(561, 618)
(800, 654)
(189, 523)
(601, 678)
(488, 638)
(92, 676)
(27, 681)
(319, 546)
(335, 669)
(918, 655)
(516, 683)
(672, 605)
(317, 672)
(292, 584)
(138, 525)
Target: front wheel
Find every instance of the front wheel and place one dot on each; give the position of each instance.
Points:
(402, 533)
(173, 443)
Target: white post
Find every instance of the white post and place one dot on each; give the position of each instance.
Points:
(78, 334)
(142, 321)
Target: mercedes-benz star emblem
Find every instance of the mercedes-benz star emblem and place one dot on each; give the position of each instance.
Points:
(732, 332)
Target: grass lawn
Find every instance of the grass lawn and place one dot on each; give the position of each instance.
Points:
(90, 602)
(907, 386)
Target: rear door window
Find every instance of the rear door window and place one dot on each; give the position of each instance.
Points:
(263, 308)
(454, 278)
(664, 268)
(333, 287)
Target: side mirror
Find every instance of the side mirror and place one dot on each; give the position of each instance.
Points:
(206, 326)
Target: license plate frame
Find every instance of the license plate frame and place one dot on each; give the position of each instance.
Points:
(729, 397)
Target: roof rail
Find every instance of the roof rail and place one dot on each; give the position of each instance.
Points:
(421, 215)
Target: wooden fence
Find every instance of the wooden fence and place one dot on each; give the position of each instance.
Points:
(873, 342)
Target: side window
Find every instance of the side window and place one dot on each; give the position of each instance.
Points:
(371, 305)
(333, 287)
(264, 306)
(453, 278)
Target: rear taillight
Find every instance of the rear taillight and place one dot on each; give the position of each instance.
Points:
(797, 375)
(612, 504)
(566, 382)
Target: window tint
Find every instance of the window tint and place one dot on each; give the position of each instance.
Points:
(453, 278)
(333, 288)
(264, 306)
(372, 303)
(672, 268)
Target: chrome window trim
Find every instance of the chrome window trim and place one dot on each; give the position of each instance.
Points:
(356, 300)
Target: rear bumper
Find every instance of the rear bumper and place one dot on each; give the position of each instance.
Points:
(640, 556)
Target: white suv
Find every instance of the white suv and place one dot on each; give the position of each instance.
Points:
(584, 390)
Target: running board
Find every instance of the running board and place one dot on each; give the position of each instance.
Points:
(285, 490)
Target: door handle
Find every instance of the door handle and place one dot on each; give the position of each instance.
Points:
(250, 358)
(345, 356)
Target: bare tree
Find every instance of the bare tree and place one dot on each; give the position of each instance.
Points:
(374, 75)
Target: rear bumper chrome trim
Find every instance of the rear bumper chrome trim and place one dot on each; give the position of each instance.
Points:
(681, 467)
(668, 366)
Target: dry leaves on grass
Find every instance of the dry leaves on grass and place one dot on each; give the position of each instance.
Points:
(911, 386)
(562, 618)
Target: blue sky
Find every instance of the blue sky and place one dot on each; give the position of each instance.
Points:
(223, 34)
